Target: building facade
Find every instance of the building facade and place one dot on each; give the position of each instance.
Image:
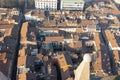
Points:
(72, 4)
(46, 4)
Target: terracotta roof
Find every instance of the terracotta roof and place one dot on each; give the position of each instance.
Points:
(114, 25)
(110, 11)
(75, 45)
(2, 56)
(13, 9)
(78, 44)
(63, 24)
(3, 10)
(79, 30)
(98, 62)
(8, 31)
(88, 22)
(75, 14)
(22, 52)
(49, 23)
(116, 20)
(103, 61)
(71, 22)
(38, 14)
(111, 38)
(64, 65)
(100, 15)
(71, 15)
(4, 22)
(62, 60)
(21, 76)
(53, 39)
(55, 12)
(97, 40)
(24, 32)
(91, 26)
(113, 11)
(76, 37)
(116, 56)
(21, 61)
(6, 26)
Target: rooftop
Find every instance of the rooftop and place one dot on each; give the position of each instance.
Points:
(102, 62)
(64, 65)
(21, 61)
(24, 32)
(111, 38)
(54, 39)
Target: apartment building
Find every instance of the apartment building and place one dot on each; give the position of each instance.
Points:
(46, 4)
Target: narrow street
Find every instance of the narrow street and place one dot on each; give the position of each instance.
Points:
(13, 65)
(58, 71)
(112, 62)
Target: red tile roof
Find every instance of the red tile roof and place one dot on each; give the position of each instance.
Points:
(53, 39)
(111, 38)
(24, 32)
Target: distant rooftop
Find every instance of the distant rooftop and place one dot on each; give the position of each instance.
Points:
(73, 0)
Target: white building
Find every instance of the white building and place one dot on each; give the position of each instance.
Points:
(72, 4)
(83, 70)
(35, 15)
(46, 4)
